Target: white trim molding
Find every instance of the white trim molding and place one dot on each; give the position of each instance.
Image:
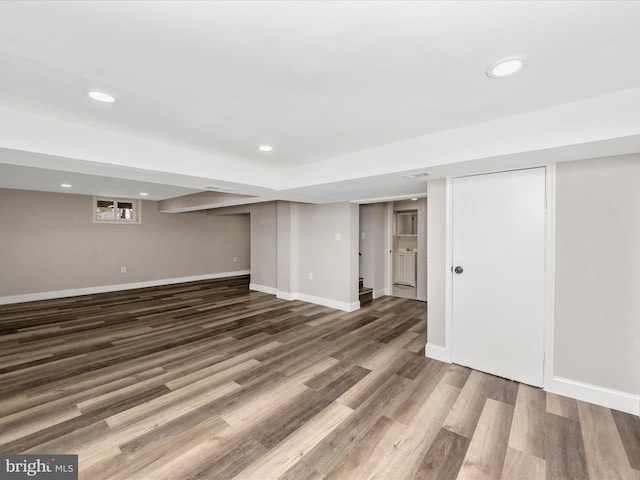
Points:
(437, 352)
(388, 249)
(606, 397)
(379, 293)
(325, 302)
(32, 297)
(282, 295)
(549, 274)
(263, 288)
(448, 273)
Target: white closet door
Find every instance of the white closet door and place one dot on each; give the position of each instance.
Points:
(498, 290)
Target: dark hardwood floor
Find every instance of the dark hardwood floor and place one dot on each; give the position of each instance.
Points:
(207, 380)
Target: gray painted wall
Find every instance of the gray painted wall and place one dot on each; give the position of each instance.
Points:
(48, 242)
(263, 232)
(436, 260)
(597, 324)
(290, 240)
(421, 258)
(333, 263)
(372, 246)
(285, 275)
(597, 316)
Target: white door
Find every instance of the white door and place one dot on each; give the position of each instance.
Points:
(498, 284)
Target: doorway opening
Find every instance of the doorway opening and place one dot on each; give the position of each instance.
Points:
(393, 253)
(408, 252)
(405, 250)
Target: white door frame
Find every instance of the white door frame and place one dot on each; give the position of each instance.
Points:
(388, 250)
(388, 272)
(549, 270)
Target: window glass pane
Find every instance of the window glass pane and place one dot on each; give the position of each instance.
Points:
(105, 210)
(116, 210)
(125, 211)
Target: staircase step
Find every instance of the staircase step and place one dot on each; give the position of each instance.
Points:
(365, 295)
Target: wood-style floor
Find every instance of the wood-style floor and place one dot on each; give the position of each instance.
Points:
(207, 380)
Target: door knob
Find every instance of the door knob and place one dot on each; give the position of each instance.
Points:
(458, 270)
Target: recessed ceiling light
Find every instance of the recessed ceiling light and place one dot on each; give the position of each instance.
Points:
(417, 175)
(265, 148)
(65, 185)
(218, 187)
(414, 199)
(143, 194)
(507, 68)
(101, 96)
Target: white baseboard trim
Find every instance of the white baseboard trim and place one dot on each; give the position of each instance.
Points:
(325, 302)
(263, 288)
(379, 293)
(606, 397)
(32, 297)
(437, 352)
(285, 295)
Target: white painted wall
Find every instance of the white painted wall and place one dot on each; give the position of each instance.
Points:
(562, 132)
(597, 321)
(32, 132)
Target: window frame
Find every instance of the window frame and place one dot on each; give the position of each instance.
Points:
(135, 202)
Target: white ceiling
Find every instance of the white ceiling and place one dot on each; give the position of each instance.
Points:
(348, 93)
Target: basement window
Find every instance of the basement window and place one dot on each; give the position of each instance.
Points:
(116, 210)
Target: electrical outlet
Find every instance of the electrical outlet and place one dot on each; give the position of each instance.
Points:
(123, 269)
(362, 235)
(235, 259)
(310, 276)
(338, 237)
